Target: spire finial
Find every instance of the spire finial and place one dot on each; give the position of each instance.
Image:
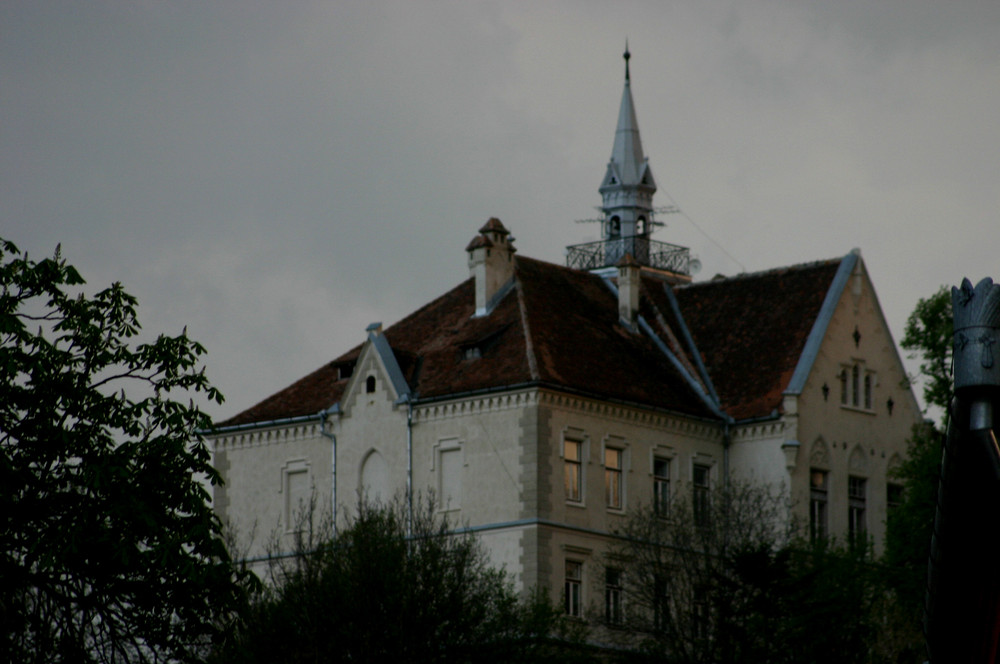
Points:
(626, 55)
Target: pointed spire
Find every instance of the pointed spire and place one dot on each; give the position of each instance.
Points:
(627, 55)
(626, 155)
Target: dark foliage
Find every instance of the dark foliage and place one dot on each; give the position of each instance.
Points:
(928, 336)
(109, 549)
(735, 588)
(373, 593)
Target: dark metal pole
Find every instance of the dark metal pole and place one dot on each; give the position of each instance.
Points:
(962, 616)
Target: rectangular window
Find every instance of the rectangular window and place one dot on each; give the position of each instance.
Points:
(856, 499)
(893, 495)
(613, 477)
(843, 387)
(613, 596)
(701, 615)
(868, 391)
(855, 391)
(661, 604)
(572, 455)
(700, 495)
(817, 504)
(450, 489)
(573, 587)
(661, 485)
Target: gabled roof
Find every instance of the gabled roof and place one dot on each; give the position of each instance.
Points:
(752, 330)
(731, 342)
(556, 327)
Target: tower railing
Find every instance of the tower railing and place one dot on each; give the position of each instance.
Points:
(607, 253)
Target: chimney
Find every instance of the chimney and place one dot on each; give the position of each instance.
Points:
(628, 290)
(491, 262)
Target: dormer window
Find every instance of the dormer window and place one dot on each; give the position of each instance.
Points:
(472, 353)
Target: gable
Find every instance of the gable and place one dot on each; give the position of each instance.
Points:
(751, 331)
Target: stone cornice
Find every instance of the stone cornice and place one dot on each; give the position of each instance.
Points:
(758, 431)
(277, 435)
(635, 416)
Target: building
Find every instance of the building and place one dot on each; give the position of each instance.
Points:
(541, 403)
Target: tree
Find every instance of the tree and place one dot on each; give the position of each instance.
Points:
(373, 593)
(929, 335)
(110, 550)
(737, 585)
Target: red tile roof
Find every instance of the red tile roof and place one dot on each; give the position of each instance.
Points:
(751, 331)
(560, 328)
(557, 327)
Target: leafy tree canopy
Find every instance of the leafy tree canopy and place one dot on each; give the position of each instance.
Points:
(928, 336)
(109, 548)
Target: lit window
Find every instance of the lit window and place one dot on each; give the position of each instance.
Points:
(661, 485)
(573, 588)
(613, 477)
(613, 596)
(572, 455)
(817, 504)
(856, 497)
(700, 495)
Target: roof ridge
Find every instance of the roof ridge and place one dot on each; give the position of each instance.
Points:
(529, 346)
(763, 273)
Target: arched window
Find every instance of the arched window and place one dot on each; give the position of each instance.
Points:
(614, 226)
(640, 226)
(370, 384)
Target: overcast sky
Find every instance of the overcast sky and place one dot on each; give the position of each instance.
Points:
(277, 175)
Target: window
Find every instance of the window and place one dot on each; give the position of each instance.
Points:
(297, 489)
(857, 386)
(817, 504)
(856, 499)
(613, 477)
(661, 604)
(700, 495)
(893, 495)
(572, 455)
(701, 614)
(613, 596)
(370, 384)
(450, 478)
(573, 588)
(661, 485)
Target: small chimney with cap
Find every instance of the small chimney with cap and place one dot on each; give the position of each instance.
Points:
(491, 262)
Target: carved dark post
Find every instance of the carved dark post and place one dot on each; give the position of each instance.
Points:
(962, 619)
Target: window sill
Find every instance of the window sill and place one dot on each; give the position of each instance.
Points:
(576, 503)
(858, 409)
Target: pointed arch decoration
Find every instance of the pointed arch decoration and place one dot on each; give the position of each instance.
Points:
(819, 455)
(374, 485)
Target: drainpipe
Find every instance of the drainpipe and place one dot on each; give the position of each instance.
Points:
(409, 466)
(323, 414)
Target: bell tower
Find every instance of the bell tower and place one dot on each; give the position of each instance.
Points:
(627, 207)
(628, 185)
